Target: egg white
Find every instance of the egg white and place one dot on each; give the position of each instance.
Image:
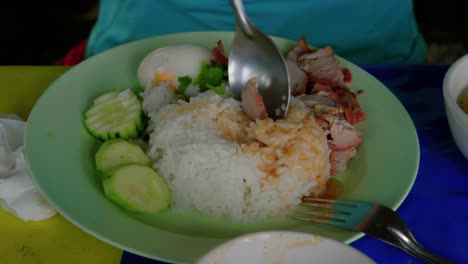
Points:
(175, 60)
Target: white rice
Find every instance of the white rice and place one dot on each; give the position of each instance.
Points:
(208, 172)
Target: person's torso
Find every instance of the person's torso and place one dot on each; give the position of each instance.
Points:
(364, 31)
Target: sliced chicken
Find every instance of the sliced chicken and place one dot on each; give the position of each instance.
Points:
(300, 49)
(317, 99)
(334, 105)
(320, 104)
(322, 66)
(252, 101)
(344, 135)
(339, 160)
(297, 77)
(344, 98)
(319, 87)
(353, 111)
(347, 77)
(218, 52)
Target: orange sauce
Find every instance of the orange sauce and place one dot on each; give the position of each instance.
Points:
(333, 190)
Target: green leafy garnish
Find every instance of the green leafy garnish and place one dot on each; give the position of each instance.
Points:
(220, 90)
(184, 83)
(209, 76)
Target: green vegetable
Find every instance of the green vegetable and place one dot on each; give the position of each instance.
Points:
(209, 76)
(138, 189)
(220, 90)
(116, 114)
(184, 83)
(118, 152)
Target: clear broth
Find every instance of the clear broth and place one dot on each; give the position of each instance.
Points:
(462, 100)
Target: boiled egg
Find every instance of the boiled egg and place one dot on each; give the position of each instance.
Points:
(166, 64)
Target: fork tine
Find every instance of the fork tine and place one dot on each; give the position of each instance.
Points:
(331, 218)
(315, 220)
(327, 211)
(331, 207)
(330, 201)
(324, 215)
(323, 221)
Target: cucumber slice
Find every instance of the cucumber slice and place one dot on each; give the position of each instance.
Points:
(137, 188)
(116, 114)
(119, 152)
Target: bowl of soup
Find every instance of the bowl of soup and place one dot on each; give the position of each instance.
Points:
(285, 247)
(455, 89)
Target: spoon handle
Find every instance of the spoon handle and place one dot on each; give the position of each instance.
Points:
(241, 17)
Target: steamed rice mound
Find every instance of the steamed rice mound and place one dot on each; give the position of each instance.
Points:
(221, 163)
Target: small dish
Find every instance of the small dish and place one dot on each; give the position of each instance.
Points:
(283, 247)
(455, 80)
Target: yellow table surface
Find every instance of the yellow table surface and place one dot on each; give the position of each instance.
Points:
(54, 240)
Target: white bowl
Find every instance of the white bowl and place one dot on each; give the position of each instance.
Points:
(456, 79)
(283, 247)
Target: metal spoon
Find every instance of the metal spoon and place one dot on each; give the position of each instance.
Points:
(253, 54)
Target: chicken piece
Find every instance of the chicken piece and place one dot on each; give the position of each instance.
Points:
(252, 101)
(218, 52)
(322, 66)
(339, 160)
(347, 76)
(317, 99)
(328, 91)
(352, 109)
(320, 104)
(319, 87)
(301, 48)
(344, 135)
(344, 98)
(297, 77)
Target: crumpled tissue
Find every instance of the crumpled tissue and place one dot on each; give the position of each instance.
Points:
(18, 194)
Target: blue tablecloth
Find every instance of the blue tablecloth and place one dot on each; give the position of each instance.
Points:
(436, 209)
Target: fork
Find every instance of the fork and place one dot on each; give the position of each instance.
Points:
(373, 219)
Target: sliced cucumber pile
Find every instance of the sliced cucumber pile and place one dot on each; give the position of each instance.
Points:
(119, 152)
(128, 178)
(138, 189)
(116, 114)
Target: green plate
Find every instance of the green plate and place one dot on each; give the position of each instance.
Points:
(60, 155)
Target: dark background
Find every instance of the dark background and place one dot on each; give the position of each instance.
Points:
(42, 32)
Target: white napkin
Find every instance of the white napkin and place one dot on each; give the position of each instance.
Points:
(18, 194)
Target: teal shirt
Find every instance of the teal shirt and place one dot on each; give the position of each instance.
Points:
(363, 31)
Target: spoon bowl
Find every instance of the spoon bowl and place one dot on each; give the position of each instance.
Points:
(253, 54)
